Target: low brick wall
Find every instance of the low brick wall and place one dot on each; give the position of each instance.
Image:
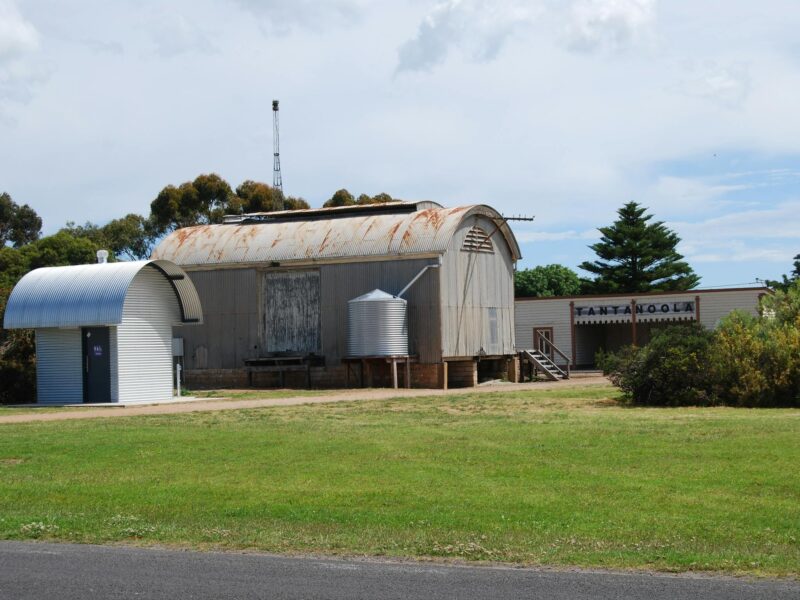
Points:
(378, 374)
(462, 373)
(215, 378)
(427, 376)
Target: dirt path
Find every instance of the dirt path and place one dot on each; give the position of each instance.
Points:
(212, 404)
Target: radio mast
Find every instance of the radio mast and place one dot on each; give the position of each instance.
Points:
(277, 181)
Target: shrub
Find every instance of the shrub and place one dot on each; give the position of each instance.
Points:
(17, 368)
(17, 362)
(756, 361)
(672, 370)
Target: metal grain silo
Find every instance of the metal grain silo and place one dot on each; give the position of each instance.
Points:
(377, 325)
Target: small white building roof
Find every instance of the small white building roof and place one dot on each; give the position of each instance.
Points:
(89, 295)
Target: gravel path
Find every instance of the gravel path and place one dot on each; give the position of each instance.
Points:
(212, 404)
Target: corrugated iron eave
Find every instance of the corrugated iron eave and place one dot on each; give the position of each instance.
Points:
(312, 262)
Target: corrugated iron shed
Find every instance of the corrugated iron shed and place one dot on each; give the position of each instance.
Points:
(85, 295)
(326, 235)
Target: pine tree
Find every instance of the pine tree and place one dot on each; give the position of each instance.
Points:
(788, 281)
(637, 256)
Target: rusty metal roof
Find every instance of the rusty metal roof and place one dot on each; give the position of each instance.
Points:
(91, 294)
(426, 231)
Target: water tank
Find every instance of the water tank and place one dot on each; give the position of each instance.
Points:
(377, 325)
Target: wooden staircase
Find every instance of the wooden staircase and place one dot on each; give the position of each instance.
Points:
(542, 363)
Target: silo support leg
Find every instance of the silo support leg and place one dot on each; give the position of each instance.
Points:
(408, 372)
(394, 373)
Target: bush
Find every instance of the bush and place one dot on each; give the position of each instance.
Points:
(748, 361)
(672, 370)
(17, 362)
(756, 361)
(17, 368)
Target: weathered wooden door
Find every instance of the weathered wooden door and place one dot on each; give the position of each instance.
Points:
(543, 340)
(292, 312)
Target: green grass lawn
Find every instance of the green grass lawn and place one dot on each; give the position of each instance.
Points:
(560, 477)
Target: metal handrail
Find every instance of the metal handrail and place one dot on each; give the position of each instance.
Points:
(557, 349)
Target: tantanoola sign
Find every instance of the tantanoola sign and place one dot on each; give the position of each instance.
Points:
(645, 310)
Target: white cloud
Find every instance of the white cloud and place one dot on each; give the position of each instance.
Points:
(670, 196)
(282, 16)
(609, 24)
(770, 235)
(555, 236)
(179, 36)
(728, 87)
(17, 35)
(479, 27)
(19, 42)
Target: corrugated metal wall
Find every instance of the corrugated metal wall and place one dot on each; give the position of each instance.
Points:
(472, 283)
(114, 356)
(543, 313)
(59, 370)
(344, 282)
(231, 319)
(144, 338)
(230, 329)
(715, 306)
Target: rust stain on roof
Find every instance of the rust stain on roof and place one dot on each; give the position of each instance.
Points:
(324, 241)
(344, 236)
(392, 232)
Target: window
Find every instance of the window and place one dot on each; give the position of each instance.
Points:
(492, 326)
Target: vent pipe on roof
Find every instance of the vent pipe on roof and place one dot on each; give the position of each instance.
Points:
(102, 257)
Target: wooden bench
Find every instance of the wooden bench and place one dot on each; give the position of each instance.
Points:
(279, 364)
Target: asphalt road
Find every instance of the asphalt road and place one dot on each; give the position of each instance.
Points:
(68, 571)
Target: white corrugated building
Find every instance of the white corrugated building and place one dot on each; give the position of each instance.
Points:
(104, 331)
(579, 326)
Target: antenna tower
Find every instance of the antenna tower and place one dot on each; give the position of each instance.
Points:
(277, 181)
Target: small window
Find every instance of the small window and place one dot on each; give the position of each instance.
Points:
(477, 240)
(492, 326)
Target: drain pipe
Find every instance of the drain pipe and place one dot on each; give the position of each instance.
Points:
(420, 274)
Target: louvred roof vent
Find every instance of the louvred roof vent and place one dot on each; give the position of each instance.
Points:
(477, 240)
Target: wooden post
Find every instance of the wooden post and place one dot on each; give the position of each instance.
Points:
(444, 375)
(697, 309)
(394, 373)
(572, 332)
(408, 372)
(633, 322)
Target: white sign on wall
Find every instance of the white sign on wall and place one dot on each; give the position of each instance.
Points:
(645, 310)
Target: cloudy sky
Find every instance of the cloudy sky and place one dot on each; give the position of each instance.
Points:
(558, 109)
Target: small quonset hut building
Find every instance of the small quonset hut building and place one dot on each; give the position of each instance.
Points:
(104, 331)
(279, 283)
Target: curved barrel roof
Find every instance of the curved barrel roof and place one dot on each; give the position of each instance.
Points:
(94, 294)
(298, 238)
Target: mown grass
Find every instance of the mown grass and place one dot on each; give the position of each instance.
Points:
(559, 477)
